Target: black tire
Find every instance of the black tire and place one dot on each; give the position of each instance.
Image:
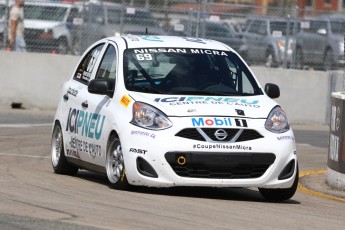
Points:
(277, 195)
(328, 60)
(62, 47)
(115, 165)
(270, 60)
(59, 162)
(299, 59)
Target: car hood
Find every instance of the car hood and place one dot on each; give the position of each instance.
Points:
(184, 105)
(40, 24)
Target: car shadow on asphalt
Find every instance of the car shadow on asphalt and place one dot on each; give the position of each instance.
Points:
(235, 194)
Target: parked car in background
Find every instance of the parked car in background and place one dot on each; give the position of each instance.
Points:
(3, 7)
(105, 19)
(49, 26)
(320, 43)
(269, 40)
(210, 30)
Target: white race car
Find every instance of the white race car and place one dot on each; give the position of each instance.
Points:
(173, 111)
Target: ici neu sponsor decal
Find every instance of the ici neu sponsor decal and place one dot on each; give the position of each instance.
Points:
(84, 123)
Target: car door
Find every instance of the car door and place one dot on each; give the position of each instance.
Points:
(97, 120)
(255, 37)
(314, 45)
(76, 124)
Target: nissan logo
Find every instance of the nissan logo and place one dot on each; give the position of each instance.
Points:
(220, 134)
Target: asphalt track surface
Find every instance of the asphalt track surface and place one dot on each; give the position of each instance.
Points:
(33, 197)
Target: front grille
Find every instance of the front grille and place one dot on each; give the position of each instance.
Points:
(200, 133)
(220, 165)
(249, 134)
(210, 132)
(32, 33)
(191, 133)
(238, 172)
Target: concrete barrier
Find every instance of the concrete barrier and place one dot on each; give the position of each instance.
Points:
(32, 78)
(336, 150)
(35, 79)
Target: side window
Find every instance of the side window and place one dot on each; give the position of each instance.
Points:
(316, 25)
(97, 14)
(114, 16)
(107, 68)
(74, 13)
(253, 28)
(262, 28)
(86, 66)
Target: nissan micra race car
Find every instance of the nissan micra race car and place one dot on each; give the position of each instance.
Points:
(173, 111)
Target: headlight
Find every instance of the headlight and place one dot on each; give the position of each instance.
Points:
(277, 121)
(281, 45)
(148, 117)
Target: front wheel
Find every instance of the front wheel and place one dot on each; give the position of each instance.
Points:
(282, 194)
(62, 47)
(115, 165)
(59, 162)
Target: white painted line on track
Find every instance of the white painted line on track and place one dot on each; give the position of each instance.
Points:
(23, 155)
(23, 125)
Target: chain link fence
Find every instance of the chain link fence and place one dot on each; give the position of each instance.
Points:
(278, 36)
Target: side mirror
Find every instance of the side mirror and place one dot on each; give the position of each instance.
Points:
(272, 90)
(102, 86)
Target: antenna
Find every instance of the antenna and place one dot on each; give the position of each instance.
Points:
(146, 31)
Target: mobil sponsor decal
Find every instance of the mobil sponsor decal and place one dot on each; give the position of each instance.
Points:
(209, 100)
(218, 122)
(85, 124)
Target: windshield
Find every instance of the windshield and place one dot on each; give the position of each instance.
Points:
(338, 27)
(49, 13)
(279, 27)
(187, 71)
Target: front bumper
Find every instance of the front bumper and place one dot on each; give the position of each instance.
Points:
(181, 161)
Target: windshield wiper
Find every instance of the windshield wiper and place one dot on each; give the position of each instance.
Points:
(144, 89)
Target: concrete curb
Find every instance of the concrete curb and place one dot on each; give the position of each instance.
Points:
(307, 185)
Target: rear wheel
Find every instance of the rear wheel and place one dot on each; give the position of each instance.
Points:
(282, 194)
(115, 165)
(299, 59)
(328, 60)
(59, 162)
(270, 59)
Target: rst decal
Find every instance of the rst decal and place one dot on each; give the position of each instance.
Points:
(140, 151)
(86, 124)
